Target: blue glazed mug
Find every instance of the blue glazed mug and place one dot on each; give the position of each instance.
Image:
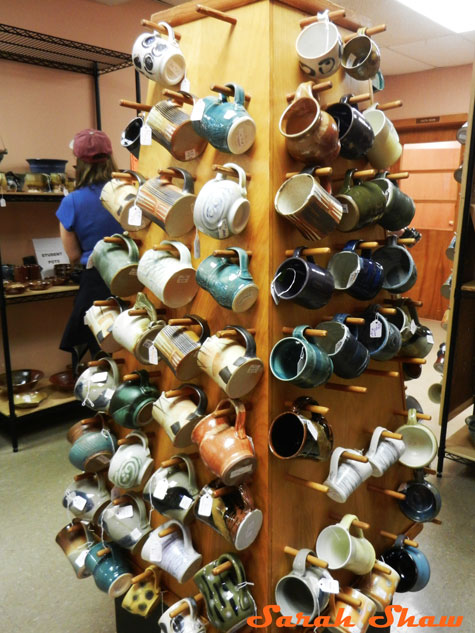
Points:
(423, 501)
(349, 356)
(230, 284)
(111, 572)
(359, 275)
(93, 450)
(410, 563)
(225, 124)
(400, 272)
(300, 361)
(379, 336)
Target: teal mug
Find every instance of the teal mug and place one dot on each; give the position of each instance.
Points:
(112, 574)
(226, 125)
(93, 450)
(229, 283)
(117, 264)
(132, 403)
(400, 209)
(299, 360)
(365, 203)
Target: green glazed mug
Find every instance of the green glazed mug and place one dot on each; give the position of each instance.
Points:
(117, 265)
(365, 202)
(400, 208)
(132, 403)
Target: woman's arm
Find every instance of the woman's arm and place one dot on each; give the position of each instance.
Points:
(71, 244)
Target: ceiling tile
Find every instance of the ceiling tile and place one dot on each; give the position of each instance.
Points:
(451, 50)
(469, 35)
(397, 64)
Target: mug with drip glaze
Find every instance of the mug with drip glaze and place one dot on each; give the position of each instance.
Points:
(357, 617)
(349, 356)
(361, 56)
(112, 572)
(359, 275)
(93, 449)
(132, 402)
(378, 335)
(364, 200)
(119, 197)
(159, 59)
(345, 477)
(355, 133)
(75, 540)
(127, 529)
(383, 452)
(380, 585)
(178, 415)
(87, 498)
(117, 265)
(100, 320)
(167, 205)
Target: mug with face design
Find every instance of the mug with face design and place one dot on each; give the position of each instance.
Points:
(87, 498)
(232, 514)
(131, 465)
(222, 208)
(343, 549)
(311, 135)
(355, 133)
(308, 206)
(75, 540)
(358, 616)
(410, 563)
(178, 415)
(112, 573)
(188, 622)
(232, 362)
(167, 205)
(179, 346)
(345, 477)
(100, 320)
(422, 499)
(400, 272)
(359, 275)
(172, 491)
(117, 265)
(127, 524)
(319, 47)
(380, 586)
(173, 129)
(292, 434)
(119, 196)
(383, 452)
(386, 148)
(95, 386)
(228, 600)
(400, 208)
(172, 279)
(378, 335)
(226, 125)
(349, 356)
(159, 59)
(130, 138)
(132, 402)
(365, 203)
(361, 56)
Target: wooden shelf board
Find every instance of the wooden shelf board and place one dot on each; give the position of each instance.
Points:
(469, 286)
(55, 292)
(55, 398)
(460, 444)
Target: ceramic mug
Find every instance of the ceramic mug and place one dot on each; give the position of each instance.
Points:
(130, 138)
(226, 125)
(402, 320)
(173, 130)
(423, 501)
(93, 450)
(400, 272)
(75, 540)
(359, 275)
(421, 340)
(420, 442)
(170, 278)
(319, 47)
(225, 448)
(117, 265)
(100, 320)
(308, 206)
(112, 573)
(132, 402)
(378, 335)
(178, 415)
(230, 284)
(159, 59)
(361, 56)
(78, 429)
(383, 452)
(470, 422)
(359, 617)
(95, 386)
(228, 600)
(365, 203)
(127, 529)
(311, 135)
(173, 492)
(87, 498)
(440, 360)
(344, 478)
(299, 360)
(450, 251)
(232, 365)
(292, 434)
(167, 205)
(188, 622)
(300, 590)
(386, 148)
(179, 347)
(119, 197)
(410, 563)
(145, 595)
(355, 133)
(344, 550)
(400, 208)
(380, 586)
(232, 514)
(222, 208)
(301, 280)
(349, 356)
(131, 465)
(446, 287)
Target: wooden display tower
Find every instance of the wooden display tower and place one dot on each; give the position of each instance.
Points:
(258, 52)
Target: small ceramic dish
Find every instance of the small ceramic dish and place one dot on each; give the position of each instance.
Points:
(38, 285)
(64, 380)
(29, 399)
(14, 288)
(22, 379)
(56, 281)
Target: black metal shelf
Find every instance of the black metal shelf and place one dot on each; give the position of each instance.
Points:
(25, 196)
(45, 295)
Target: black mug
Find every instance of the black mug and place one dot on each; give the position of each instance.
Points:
(410, 563)
(350, 357)
(378, 335)
(355, 133)
(359, 275)
(130, 138)
(300, 280)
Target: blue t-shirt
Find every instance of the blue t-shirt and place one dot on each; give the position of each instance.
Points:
(83, 213)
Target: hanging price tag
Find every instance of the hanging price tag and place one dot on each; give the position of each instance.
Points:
(101, 376)
(413, 327)
(124, 512)
(156, 551)
(108, 394)
(136, 534)
(161, 488)
(196, 245)
(186, 502)
(79, 503)
(205, 505)
(430, 339)
(80, 560)
(153, 355)
(3, 202)
(312, 430)
(145, 134)
(329, 585)
(375, 329)
(135, 216)
(185, 84)
(198, 109)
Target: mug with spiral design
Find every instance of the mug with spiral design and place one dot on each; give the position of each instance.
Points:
(345, 477)
(131, 464)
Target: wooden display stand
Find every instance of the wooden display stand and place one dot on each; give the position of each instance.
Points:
(258, 52)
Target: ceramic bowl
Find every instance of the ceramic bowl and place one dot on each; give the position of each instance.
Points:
(29, 399)
(64, 380)
(22, 379)
(38, 285)
(14, 288)
(56, 281)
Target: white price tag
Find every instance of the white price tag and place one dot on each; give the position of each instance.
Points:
(79, 503)
(100, 376)
(136, 534)
(3, 202)
(108, 393)
(198, 109)
(413, 327)
(124, 512)
(375, 329)
(161, 488)
(196, 245)
(312, 430)
(329, 585)
(145, 134)
(153, 355)
(223, 230)
(89, 263)
(185, 84)
(205, 505)
(135, 216)
(190, 154)
(430, 339)
(80, 560)
(156, 551)
(186, 502)
(65, 192)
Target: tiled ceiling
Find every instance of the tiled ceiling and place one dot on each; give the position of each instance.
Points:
(412, 42)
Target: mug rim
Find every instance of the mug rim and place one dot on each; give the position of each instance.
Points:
(287, 338)
(317, 25)
(286, 184)
(271, 443)
(285, 114)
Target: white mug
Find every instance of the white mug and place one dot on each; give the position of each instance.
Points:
(126, 524)
(174, 553)
(319, 48)
(386, 148)
(100, 320)
(131, 465)
(96, 386)
(188, 622)
(179, 415)
(159, 59)
(344, 478)
(222, 208)
(419, 441)
(383, 452)
(343, 550)
(118, 197)
(172, 280)
(86, 498)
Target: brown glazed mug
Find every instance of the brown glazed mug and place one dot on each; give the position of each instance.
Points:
(83, 426)
(311, 134)
(75, 540)
(226, 450)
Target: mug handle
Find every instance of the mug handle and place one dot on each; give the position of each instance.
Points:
(399, 542)
(249, 340)
(347, 183)
(120, 303)
(142, 437)
(138, 177)
(140, 505)
(243, 262)
(132, 248)
(241, 176)
(375, 438)
(202, 400)
(240, 421)
(345, 100)
(238, 569)
(189, 467)
(299, 564)
(170, 32)
(142, 301)
(334, 462)
(238, 94)
(188, 183)
(192, 606)
(347, 522)
(412, 417)
(153, 569)
(101, 482)
(351, 245)
(304, 91)
(114, 368)
(299, 249)
(203, 324)
(185, 255)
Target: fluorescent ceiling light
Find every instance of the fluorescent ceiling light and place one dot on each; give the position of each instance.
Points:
(456, 15)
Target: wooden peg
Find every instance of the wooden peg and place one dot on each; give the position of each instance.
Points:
(307, 484)
(169, 530)
(143, 576)
(231, 333)
(118, 240)
(182, 322)
(372, 30)
(228, 253)
(420, 416)
(310, 559)
(318, 171)
(436, 521)
(407, 240)
(376, 243)
(125, 103)
(175, 393)
(387, 492)
(178, 96)
(332, 15)
(387, 310)
(102, 363)
(230, 411)
(128, 440)
(151, 374)
(213, 13)
(365, 173)
(357, 523)
(82, 476)
(351, 320)
(348, 388)
(109, 303)
(314, 408)
(165, 247)
(324, 250)
(398, 175)
(155, 27)
(429, 471)
(393, 537)
(122, 175)
(390, 105)
(316, 88)
(225, 490)
(95, 420)
(381, 568)
(172, 174)
(103, 552)
(364, 96)
(308, 332)
(353, 602)
(120, 500)
(227, 91)
(382, 373)
(174, 461)
(354, 457)
(228, 170)
(222, 568)
(184, 606)
(138, 312)
(391, 436)
(410, 360)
